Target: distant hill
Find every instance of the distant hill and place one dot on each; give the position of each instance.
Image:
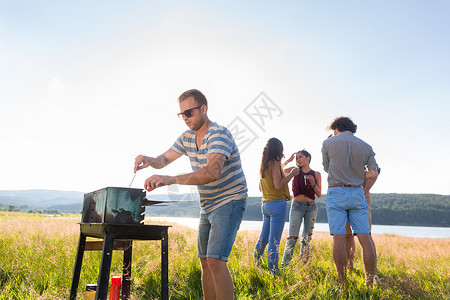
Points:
(42, 199)
(53, 199)
(387, 209)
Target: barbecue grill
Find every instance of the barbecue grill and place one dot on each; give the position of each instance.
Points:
(114, 205)
(116, 215)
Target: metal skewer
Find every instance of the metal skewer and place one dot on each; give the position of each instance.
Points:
(132, 180)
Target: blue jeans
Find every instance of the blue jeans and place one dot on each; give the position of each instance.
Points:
(274, 217)
(217, 230)
(300, 211)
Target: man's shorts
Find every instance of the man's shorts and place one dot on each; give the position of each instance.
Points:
(368, 198)
(217, 230)
(347, 204)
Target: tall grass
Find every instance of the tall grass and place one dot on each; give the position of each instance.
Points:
(38, 255)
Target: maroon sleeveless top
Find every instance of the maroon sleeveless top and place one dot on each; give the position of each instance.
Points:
(299, 188)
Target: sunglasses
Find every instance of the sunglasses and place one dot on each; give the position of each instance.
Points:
(188, 112)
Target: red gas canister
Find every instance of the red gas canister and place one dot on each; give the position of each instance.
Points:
(114, 291)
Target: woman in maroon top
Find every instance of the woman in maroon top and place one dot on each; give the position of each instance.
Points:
(305, 186)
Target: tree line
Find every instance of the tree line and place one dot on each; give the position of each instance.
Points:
(32, 210)
(387, 209)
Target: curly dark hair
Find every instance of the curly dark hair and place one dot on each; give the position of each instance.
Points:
(273, 151)
(343, 124)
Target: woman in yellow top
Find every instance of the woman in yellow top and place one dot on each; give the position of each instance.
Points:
(275, 190)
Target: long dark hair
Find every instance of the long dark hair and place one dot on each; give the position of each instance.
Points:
(273, 151)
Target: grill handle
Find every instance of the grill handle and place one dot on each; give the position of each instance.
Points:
(150, 202)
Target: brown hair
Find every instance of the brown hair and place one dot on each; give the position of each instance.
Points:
(273, 151)
(200, 99)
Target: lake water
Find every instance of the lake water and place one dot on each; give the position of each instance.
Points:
(408, 231)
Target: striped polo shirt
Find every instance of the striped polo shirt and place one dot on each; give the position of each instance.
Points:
(232, 184)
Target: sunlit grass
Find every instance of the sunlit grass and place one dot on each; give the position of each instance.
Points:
(38, 254)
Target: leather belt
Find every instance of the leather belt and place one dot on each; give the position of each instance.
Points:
(344, 185)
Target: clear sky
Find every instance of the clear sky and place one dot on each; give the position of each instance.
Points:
(85, 86)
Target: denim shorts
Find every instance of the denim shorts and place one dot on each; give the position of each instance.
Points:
(217, 230)
(347, 203)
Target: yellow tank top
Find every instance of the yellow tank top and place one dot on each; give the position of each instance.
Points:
(269, 191)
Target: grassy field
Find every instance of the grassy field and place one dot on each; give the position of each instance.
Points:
(38, 254)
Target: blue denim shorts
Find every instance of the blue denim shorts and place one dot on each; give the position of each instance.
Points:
(217, 230)
(347, 203)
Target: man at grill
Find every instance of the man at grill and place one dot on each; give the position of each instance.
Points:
(221, 183)
(345, 158)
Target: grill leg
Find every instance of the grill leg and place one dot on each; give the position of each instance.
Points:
(77, 268)
(126, 277)
(105, 267)
(164, 266)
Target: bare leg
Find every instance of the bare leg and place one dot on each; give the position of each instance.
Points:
(350, 247)
(209, 292)
(375, 255)
(340, 257)
(368, 257)
(222, 283)
(369, 201)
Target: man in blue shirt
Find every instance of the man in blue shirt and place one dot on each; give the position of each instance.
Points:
(217, 172)
(345, 159)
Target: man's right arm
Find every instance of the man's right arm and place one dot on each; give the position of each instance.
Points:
(371, 177)
(372, 171)
(158, 162)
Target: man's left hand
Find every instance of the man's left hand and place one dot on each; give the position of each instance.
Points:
(156, 181)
